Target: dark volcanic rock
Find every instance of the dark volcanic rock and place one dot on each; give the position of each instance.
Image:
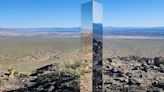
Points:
(158, 61)
(137, 74)
(51, 67)
(55, 80)
(159, 84)
(133, 82)
(50, 78)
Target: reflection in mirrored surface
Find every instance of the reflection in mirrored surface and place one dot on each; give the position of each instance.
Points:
(97, 46)
(86, 45)
(91, 45)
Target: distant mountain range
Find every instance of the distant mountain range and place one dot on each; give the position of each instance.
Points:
(130, 31)
(67, 32)
(39, 32)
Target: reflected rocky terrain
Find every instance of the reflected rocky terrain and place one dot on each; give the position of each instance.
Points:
(97, 64)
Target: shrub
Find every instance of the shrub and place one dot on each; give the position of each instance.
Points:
(15, 73)
(78, 68)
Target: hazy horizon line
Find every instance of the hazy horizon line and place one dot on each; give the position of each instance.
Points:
(80, 27)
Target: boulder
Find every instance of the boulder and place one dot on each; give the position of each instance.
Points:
(158, 61)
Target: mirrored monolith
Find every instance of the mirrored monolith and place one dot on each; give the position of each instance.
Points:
(92, 45)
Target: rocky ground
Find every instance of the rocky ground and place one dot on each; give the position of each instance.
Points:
(120, 74)
(133, 74)
(49, 78)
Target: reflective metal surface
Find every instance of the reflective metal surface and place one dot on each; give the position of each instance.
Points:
(86, 45)
(92, 44)
(97, 46)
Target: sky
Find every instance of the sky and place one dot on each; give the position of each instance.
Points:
(67, 13)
